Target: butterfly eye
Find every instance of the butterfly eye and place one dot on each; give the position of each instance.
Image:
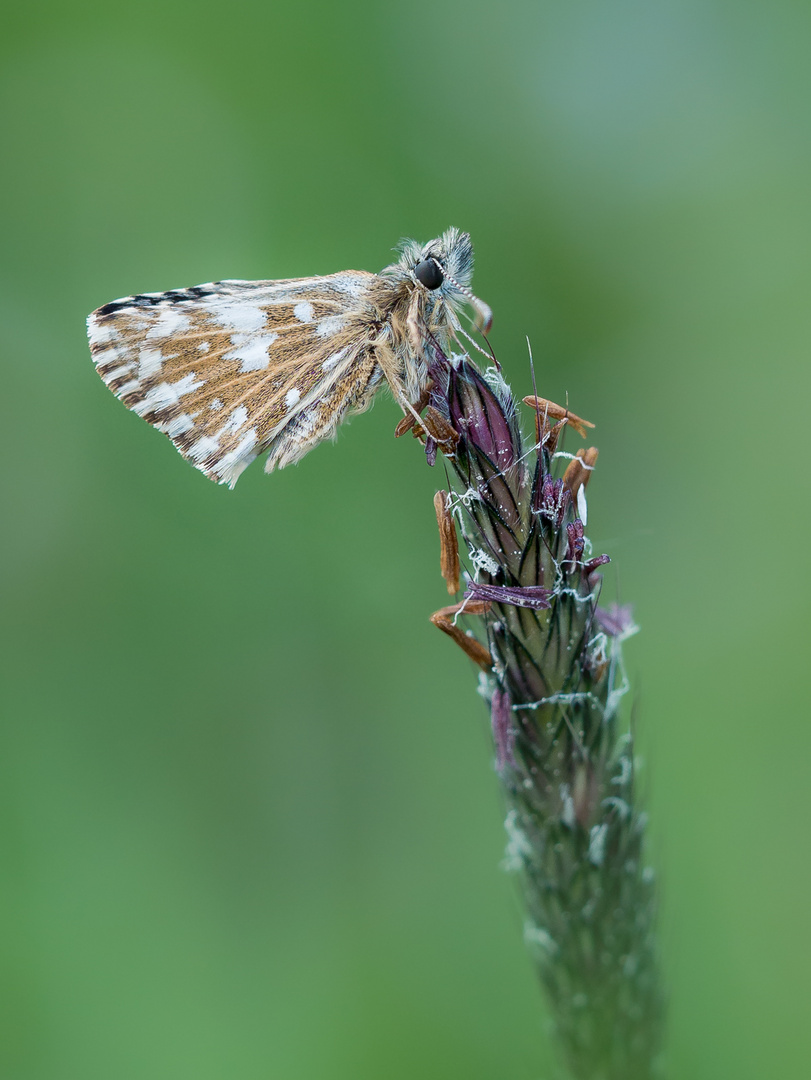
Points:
(428, 274)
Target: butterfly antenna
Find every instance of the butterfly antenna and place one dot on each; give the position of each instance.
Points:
(484, 315)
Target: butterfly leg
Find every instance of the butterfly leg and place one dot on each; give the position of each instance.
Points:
(408, 422)
(412, 412)
(432, 425)
(415, 322)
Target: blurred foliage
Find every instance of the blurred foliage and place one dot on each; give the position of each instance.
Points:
(249, 819)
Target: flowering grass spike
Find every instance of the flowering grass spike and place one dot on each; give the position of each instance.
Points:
(551, 670)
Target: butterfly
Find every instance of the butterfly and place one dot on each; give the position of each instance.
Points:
(233, 369)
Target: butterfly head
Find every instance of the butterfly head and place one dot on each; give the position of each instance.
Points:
(444, 269)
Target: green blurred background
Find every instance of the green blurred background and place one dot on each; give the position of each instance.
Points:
(251, 827)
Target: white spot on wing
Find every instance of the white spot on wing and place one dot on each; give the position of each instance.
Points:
(252, 352)
(204, 346)
(164, 395)
(203, 448)
(232, 464)
(99, 333)
(179, 426)
(170, 321)
(243, 317)
(350, 285)
(292, 397)
(150, 362)
(304, 311)
(105, 357)
(329, 326)
(237, 419)
(336, 358)
(216, 404)
(118, 373)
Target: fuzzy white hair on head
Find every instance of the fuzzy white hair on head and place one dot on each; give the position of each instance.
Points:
(454, 253)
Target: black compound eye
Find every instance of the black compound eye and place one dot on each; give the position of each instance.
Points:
(428, 274)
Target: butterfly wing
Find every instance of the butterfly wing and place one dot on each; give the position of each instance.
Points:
(233, 368)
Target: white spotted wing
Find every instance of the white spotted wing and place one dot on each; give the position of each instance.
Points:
(231, 369)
